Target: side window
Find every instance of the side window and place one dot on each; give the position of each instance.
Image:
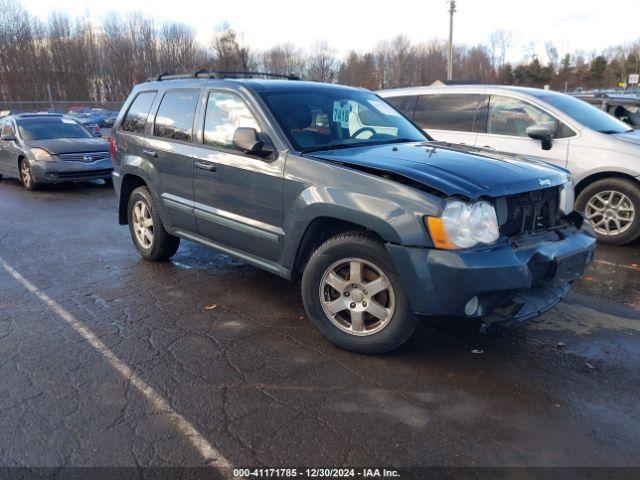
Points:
(402, 104)
(7, 128)
(447, 111)
(174, 119)
(510, 116)
(136, 118)
(225, 113)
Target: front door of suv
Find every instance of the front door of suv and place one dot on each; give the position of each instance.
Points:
(507, 119)
(238, 197)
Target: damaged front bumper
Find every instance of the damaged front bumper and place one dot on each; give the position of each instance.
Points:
(511, 281)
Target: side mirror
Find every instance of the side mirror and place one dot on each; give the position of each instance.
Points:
(541, 132)
(97, 133)
(249, 141)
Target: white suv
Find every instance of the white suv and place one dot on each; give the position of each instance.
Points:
(602, 153)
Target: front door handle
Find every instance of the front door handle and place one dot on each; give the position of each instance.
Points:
(209, 167)
(150, 153)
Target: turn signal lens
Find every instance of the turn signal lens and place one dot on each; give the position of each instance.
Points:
(435, 225)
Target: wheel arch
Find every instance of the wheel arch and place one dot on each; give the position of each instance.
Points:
(594, 177)
(129, 183)
(319, 230)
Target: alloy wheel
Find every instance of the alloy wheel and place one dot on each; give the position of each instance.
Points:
(610, 212)
(143, 224)
(357, 296)
(25, 173)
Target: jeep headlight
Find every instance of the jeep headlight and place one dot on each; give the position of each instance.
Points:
(464, 225)
(41, 155)
(567, 197)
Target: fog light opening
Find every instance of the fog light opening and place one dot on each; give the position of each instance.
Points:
(471, 308)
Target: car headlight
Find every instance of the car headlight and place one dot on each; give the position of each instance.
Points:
(41, 155)
(567, 197)
(464, 225)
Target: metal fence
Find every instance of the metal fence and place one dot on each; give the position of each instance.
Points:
(54, 106)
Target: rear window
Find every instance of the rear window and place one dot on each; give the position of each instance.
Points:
(174, 119)
(447, 111)
(136, 118)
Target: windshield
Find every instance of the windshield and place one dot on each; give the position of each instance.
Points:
(48, 128)
(588, 115)
(327, 118)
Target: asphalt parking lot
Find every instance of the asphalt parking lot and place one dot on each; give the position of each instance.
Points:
(107, 360)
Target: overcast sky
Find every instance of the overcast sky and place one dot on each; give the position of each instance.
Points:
(571, 24)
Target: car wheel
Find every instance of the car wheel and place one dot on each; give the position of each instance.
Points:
(612, 205)
(147, 231)
(353, 294)
(26, 177)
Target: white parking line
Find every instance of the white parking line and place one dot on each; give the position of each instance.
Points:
(208, 452)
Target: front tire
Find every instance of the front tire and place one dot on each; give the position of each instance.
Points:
(147, 230)
(26, 176)
(612, 205)
(353, 294)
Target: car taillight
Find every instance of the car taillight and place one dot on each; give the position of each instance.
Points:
(112, 149)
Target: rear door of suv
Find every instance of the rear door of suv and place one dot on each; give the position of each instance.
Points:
(238, 197)
(169, 147)
(447, 117)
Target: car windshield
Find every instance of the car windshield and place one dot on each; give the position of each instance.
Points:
(327, 118)
(588, 115)
(48, 128)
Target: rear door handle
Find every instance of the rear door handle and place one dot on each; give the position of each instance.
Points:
(150, 153)
(209, 167)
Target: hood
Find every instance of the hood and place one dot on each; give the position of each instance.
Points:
(70, 145)
(630, 137)
(454, 169)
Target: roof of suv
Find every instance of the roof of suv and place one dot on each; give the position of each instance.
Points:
(537, 92)
(254, 84)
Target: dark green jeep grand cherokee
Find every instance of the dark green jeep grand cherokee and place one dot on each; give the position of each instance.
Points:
(333, 185)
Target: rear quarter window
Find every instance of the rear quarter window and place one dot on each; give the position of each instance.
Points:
(136, 118)
(402, 103)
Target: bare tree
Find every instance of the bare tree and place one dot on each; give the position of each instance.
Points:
(284, 59)
(500, 42)
(179, 51)
(227, 51)
(322, 64)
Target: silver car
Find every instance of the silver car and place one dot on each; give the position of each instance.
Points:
(51, 148)
(602, 153)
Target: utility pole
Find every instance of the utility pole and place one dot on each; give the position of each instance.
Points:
(452, 10)
(50, 98)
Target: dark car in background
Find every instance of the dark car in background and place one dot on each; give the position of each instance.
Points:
(625, 107)
(333, 185)
(51, 148)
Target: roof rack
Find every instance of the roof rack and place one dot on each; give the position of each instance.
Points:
(220, 74)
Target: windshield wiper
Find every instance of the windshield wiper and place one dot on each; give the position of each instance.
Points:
(332, 146)
(336, 146)
(611, 132)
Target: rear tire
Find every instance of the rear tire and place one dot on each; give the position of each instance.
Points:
(147, 230)
(612, 205)
(353, 295)
(26, 176)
